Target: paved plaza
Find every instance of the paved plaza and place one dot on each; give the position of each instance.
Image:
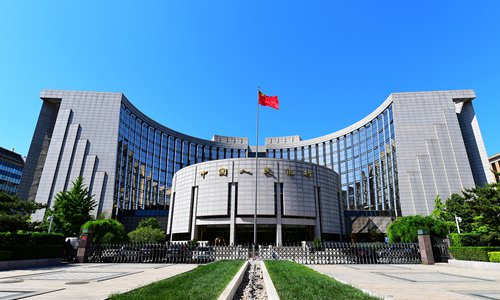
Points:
(98, 281)
(439, 281)
(83, 281)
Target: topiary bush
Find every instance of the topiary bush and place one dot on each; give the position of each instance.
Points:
(404, 229)
(472, 253)
(107, 231)
(494, 256)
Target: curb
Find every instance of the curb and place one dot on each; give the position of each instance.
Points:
(478, 265)
(233, 285)
(29, 263)
(272, 294)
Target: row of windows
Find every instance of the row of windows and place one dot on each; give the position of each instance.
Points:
(11, 178)
(9, 175)
(8, 187)
(148, 159)
(365, 159)
(9, 168)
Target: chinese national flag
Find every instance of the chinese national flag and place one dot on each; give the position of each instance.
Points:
(271, 101)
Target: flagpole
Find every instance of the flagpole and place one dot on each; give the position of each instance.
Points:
(256, 174)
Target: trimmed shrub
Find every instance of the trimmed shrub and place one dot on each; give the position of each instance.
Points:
(44, 251)
(472, 253)
(5, 239)
(5, 255)
(465, 239)
(494, 256)
(107, 231)
(8, 240)
(472, 239)
(30, 245)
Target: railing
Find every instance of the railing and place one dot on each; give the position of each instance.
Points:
(440, 252)
(324, 253)
(345, 253)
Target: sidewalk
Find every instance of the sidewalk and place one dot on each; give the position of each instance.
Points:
(438, 281)
(83, 281)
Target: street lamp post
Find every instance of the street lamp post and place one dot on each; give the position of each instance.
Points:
(51, 219)
(457, 221)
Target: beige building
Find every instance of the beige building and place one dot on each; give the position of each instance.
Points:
(495, 166)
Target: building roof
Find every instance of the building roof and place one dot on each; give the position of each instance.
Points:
(494, 157)
(11, 157)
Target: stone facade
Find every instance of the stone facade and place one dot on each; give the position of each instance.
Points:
(222, 192)
(393, 162)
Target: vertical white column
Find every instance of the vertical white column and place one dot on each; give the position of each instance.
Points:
(232, 224)
(77, 166)
(279, 221)
(88, 171)
(61, 179)
(98, 188)
(194, 229)
(52, 161)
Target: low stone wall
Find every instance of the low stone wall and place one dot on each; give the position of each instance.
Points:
(29, 263)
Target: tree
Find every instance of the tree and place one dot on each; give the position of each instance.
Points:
(404, 229)
(441, 213)
(484, 203)
(72, 208)
(147, 235)
(15, 214)
(479, 210)
(148, 231)
(149, 222)
(106, 231)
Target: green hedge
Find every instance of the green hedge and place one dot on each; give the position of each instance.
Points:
(466, 239)
(30, 245)
(494, 256)
(472, 253)
(8, 239)
(5, 255)
(46, 251)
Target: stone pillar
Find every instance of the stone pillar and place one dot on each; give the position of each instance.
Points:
(82, 253)
(424, 242)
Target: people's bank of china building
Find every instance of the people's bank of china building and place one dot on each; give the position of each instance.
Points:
(392, 163)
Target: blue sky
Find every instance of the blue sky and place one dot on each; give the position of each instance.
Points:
(194, 66)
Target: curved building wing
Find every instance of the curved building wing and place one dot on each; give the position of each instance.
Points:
(393, 162)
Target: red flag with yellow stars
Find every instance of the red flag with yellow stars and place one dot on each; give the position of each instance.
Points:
(271, 101)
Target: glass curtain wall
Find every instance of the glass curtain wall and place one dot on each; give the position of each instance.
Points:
(365, 159)
(147, 159)
(10, 176)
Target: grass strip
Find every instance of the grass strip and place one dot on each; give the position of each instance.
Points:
(295, 281)
(204, 282)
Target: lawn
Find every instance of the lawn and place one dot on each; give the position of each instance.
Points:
(294, 281)
(204, 282)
